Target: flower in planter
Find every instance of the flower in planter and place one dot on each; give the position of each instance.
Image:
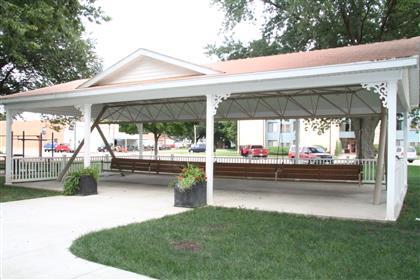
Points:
(190, 187)
(190, 176)
(73, 179)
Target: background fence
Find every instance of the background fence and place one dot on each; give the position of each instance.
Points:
(39, 169)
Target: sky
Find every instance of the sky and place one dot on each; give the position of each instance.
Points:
(180, 28)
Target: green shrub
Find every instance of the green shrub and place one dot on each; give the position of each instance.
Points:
(190, 175)
(72, 181)
(338, 148)
(278, 150)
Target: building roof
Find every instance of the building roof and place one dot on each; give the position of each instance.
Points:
(334, 56)
(368, 52)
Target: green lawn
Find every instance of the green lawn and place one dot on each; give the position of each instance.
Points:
(8, 193)
(220, 243)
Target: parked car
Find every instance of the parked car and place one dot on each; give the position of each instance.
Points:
(411, 153)
(197, 148)
(310, 153)
(48, 147)
(102, 148)
(120, 149)
(63, 148)
(165, 147)
(253, 151)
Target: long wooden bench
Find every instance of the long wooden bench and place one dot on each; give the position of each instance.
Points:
(338, 172)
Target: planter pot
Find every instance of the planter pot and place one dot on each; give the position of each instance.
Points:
(191, 198)
(88, 185)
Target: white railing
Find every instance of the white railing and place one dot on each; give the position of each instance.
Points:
(38, 169)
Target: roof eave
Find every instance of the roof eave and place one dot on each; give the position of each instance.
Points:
(340, 69)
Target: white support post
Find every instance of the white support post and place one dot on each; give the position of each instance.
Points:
(406, 124)
(391, 196)
(212, 102)
(297, 146)
(87, 118)
(209, 146)
(140, 147)
(9, 156)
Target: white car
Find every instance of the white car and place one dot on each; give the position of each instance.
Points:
(411, 153)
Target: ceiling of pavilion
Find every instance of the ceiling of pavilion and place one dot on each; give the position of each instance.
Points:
(325, 102)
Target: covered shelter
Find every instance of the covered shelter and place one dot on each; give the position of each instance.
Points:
(375, 79)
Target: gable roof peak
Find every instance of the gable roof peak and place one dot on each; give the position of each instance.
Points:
(161, 60)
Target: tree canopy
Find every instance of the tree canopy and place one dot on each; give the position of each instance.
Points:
(43, 43)
(300, 25)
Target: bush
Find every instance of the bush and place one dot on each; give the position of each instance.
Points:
(338, 148)
(278, 150)
(72, 181)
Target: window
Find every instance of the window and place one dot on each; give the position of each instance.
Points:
(346, 126)
(285, 127)
(399, 124)
(273, 127)
(257, 147)
(272, 143)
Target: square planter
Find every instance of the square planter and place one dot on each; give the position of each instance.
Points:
(88, 185)
(191, 198)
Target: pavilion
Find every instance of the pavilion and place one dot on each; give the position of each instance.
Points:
(374, 79)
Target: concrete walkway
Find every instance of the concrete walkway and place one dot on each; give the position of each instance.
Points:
(36, 233)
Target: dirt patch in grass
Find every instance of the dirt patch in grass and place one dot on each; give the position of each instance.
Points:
(218, 227)
(186, 246)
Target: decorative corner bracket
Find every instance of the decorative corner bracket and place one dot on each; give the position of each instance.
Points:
(12, 113)
(79, 108)
(380, 88)
(216, 99)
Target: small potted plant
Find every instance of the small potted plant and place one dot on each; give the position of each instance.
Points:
(190, 187)
(82, 182)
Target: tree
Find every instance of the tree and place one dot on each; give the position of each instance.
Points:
(177, 130)
(225, 133)
(302, 25)
(42, 43)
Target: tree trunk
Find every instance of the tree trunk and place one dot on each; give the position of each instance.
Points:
(156, 149)
(364, 130)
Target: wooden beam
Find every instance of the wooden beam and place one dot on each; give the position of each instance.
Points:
(76, 152)
(107, 146)
(381, 159)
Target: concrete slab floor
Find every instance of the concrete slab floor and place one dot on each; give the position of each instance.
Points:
(331, 199)
(36, 233)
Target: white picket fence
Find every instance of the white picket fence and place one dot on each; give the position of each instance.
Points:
(39, 169)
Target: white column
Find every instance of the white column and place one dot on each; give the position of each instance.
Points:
(297, 136)
(406, 124)
(140, 131)
(9, 155)
(87, 118)
(209, 146)
(391, 150)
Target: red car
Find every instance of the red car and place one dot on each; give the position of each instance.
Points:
(310, 153)
(253, 151)
(63, 148)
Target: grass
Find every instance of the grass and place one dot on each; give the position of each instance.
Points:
(221, 243)
(13, 193)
